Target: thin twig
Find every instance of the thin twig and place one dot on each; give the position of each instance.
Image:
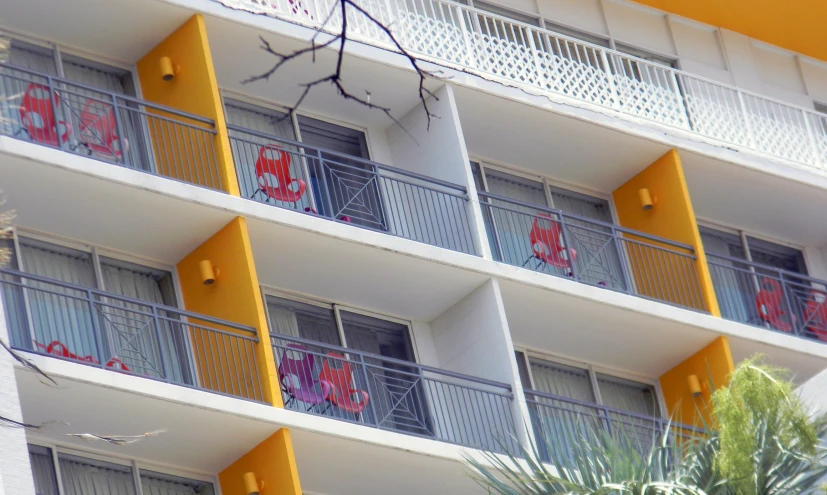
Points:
(335, 77)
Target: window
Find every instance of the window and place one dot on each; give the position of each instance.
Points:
(321, 323)
(57, 316)
(333, 164)
(642, 71)
(81, 475)
(761, 251)
(577, 52)
(512, 223)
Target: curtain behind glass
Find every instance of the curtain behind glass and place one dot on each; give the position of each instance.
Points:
(735, 286)
(147, 347)
(15, 83)
(559, 422)
(82, 476)
(247, 152)
(164, 484)
(43, 470)
(513, 223)
(636, 398)
(60, 316)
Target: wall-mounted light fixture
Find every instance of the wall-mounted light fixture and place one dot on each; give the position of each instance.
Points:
(208, 272)
(646, 200)
(694, 385)
(251, 485)
(168, 69)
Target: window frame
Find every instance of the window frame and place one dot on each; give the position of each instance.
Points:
(592, 370)
(132, 463)
(547, 184)
(744, 235)
(337, 308)
(96, 253)
(253, 101)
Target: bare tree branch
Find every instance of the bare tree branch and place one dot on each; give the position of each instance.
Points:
(335, 77)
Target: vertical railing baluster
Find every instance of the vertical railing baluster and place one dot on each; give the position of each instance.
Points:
(119, 131)
(97, 331)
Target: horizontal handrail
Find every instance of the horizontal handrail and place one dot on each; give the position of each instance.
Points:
(128, 335)
(785, 275)
(123, 97)
(607, 225)
(605, 409)
(109, 295)
(532, 56)
(399, 362)
(348, 158)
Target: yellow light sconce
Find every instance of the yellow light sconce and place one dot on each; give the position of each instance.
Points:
(208, 272)
(694, 385)
(168, 69)
(647, 201)
(251, 485)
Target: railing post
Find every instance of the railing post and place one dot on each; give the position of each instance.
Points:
(119, 129)
(811, 137)
(371, 403)
(786, 294)
(53, 102)
(156, 323)
(624, 266)
(747, 124)
(568, 246)
(466, 38)
(97, 331)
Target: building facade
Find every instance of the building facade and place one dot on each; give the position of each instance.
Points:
(612, 204)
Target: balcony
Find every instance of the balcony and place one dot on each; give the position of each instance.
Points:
(108, 126)
(394, 395)
(769, 297)
(96, 328)
(591, 252)
(351, 190)
(565, 421)
(506, 50)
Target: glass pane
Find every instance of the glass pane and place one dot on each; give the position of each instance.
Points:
(43, 470)
(146, 345)
(307, 321)
(333, 137)
(562, 380)
(61, 316)
(97, 75)
(777, 255)
(153, 483)
(627, 395)
(81, 476)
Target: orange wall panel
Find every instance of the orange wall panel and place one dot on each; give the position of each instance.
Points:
(180, 152)
(274, 464)
(665, 277)
(235, 296)
(712, 365)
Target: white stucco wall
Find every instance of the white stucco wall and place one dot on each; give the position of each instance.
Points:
(15, 471)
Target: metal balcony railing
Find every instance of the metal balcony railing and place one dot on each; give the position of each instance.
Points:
(770, 297)
(107, 126)
(503, 49)
(352, 190)
(561, 421)
(591, 252)
(394, 395)
(131, 336)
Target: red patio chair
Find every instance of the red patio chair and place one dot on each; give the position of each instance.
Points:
(273, 175)
(342, 394)
(547, 244)
(770, 304)
(37, 116)
(99, 130)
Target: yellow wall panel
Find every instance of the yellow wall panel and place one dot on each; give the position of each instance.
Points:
(712, 365)
(272, 461)
(235, 296)
(796, 25)
(179, 153)
(672, 217)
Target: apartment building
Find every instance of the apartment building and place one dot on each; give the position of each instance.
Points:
(614, 203)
